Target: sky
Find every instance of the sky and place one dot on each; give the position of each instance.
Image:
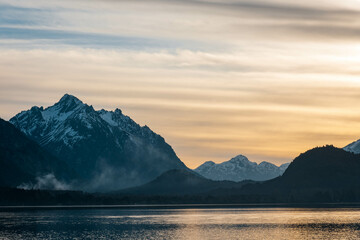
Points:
(216, 78)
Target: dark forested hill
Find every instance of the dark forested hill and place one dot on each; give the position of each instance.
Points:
(178, 183)
(22, 160)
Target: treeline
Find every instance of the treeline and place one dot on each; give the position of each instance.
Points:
(19, 197)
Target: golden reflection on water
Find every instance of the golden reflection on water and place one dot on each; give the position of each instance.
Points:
(261, 223)
(196, 223)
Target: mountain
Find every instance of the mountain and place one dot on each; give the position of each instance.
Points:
(179, 182)
(353, 147)
(323, 167)
(322, 174)
(240, 168)
(23, 162)
(107, 149)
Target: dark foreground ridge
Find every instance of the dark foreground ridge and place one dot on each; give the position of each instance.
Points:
(321, 175)
(178, 183)
(22, 160)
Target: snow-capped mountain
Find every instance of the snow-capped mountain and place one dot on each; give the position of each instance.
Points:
(353, 147)
(107, 149)
(240, 168)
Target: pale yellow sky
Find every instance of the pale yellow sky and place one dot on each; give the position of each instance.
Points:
(266, 79)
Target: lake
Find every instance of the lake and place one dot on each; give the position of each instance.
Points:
(192, 222)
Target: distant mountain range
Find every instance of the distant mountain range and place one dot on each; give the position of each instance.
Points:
(106, 149)
(240, 168)
(71, 146)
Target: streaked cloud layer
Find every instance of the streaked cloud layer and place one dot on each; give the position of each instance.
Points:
(267, 79)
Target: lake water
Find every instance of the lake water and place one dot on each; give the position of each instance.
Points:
(180, 223)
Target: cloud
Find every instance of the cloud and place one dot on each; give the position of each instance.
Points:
(178, 23)
(216, 78)
(274, 9)
(48, 182)
(60, 37)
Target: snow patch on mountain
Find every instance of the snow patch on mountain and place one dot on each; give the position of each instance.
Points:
(51, 124)
(64, 122)
(353, 147)
(118, 119)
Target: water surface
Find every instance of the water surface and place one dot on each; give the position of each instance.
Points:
(180, 223)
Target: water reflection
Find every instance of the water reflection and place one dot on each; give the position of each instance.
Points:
(233, 223)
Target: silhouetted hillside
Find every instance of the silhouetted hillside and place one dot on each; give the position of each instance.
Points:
(179, 182)
(323, 167)
(22, 160)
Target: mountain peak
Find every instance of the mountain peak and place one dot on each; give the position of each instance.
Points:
(209, 163)
(264, 163)
(67, 98)
(239, 159)
(118, 111)
(68, 103)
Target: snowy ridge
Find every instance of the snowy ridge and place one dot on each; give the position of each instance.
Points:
(240, 168)
(118, 119)
(55, 122)
(51, 124)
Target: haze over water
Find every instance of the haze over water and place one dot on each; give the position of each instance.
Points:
(175, 223)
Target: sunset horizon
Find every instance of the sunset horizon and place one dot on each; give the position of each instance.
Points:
(189, 162)
(265, 79)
